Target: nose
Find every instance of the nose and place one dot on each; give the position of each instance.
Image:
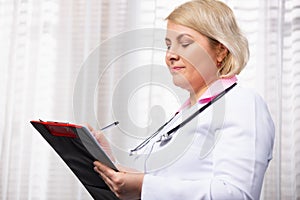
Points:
(172, 56)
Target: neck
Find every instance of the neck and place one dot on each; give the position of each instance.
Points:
(194, 96)
(197, 93)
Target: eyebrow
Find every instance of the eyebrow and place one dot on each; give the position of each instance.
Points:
(178, 38)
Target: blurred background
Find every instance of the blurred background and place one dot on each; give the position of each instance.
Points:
(45, 43)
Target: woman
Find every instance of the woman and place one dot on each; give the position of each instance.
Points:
(205, 50)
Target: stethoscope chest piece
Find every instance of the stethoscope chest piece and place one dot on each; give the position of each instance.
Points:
(164, 139)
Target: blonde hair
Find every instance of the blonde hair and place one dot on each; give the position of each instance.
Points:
(216, 21)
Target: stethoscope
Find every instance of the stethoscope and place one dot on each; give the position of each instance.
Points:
(166, 137)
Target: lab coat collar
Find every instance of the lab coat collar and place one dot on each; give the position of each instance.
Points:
(216, 88)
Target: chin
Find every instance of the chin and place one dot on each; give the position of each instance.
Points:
(181, 82)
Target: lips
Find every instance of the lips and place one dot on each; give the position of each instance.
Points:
(177, 68)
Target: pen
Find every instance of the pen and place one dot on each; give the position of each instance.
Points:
(110, 125)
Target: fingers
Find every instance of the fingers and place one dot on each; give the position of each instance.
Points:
(110, 177)
(126, 186)
(88, 126)
(105, 178)
(101, 140)
(104, 170)
(96, 134)
(101, 167)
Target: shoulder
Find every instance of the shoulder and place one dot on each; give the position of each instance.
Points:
(245, 98)
(243, 92)
(247, 107)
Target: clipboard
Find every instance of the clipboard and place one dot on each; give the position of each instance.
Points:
(79, 149)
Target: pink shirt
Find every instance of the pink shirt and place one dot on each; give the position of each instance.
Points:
(214, 89)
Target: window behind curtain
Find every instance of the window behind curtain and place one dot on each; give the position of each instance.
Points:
(45, 43)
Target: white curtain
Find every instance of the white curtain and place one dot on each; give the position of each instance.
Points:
(44, 45)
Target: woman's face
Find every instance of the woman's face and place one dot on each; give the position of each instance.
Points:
(190, 58)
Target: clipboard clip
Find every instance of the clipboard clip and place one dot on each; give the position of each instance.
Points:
(60, 129)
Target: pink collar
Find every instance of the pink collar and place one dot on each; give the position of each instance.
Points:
(214, 89)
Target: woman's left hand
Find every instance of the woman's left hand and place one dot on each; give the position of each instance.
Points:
(125, 185)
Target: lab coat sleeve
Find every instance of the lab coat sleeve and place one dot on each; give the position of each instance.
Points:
(239, 159)
(156, 187)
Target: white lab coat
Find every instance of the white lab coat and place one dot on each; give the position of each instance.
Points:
(237, 135)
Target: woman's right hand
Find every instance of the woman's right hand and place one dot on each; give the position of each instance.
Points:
(102, 140)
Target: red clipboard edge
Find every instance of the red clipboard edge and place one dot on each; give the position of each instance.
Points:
(60, 129)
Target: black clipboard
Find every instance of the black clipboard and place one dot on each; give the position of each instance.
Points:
(79, 149)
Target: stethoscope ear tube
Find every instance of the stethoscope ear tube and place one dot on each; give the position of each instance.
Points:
(169, 134)
(165, 138)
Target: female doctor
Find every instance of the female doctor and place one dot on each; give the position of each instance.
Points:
(205, 52)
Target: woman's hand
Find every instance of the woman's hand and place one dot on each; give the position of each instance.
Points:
(101, 140)
(125, 185)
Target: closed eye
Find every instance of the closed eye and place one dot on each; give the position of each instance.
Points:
(184, 45)
(168, 43)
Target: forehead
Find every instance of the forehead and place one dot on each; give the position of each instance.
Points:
(174, 30)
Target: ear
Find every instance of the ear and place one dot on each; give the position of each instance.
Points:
(222, 52)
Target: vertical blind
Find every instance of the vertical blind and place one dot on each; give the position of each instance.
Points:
(45, 44)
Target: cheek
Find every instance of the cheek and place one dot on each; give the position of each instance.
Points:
(201, 62)
(198, 56)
